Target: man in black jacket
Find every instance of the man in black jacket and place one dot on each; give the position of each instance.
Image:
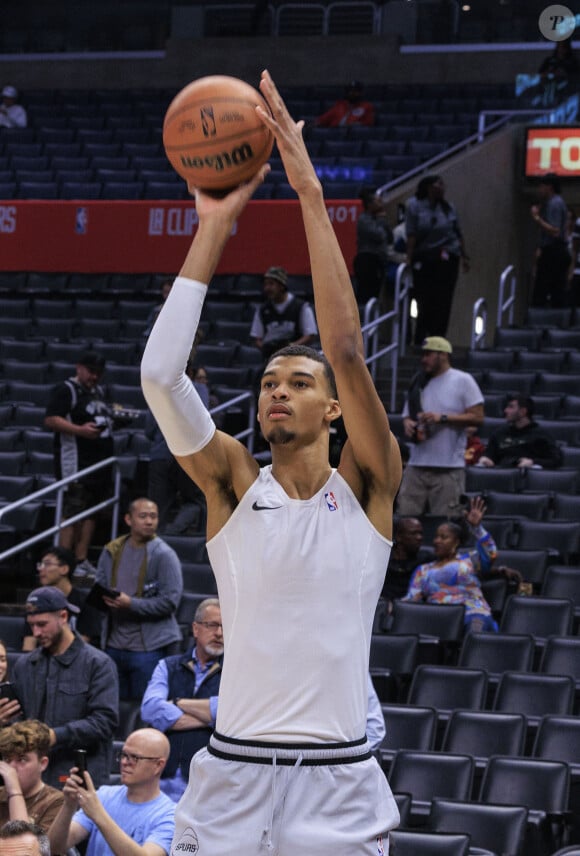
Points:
(522, 442)
(182, 695)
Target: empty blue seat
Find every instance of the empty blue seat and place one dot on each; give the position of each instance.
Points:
(81, 190)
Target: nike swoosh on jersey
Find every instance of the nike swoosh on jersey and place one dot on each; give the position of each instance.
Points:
(256, 507)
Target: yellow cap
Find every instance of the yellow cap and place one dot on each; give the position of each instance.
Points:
(437, 343)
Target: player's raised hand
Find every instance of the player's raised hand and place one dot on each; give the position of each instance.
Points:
(299, 169)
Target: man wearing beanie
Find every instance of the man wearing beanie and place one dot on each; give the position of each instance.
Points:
(441, 403)
(283, 319)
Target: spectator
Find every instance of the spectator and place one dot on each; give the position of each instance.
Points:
(56, 568)
(82, 422)
(407, 541)
(283, 319)
(24, 749)
(69, 685)
(475, 447)
(22, 838)
(453, 576)
(182, 696)
(130, 819)
(435, 247)
(553, 257)
(521, 442)
(140, 624)
(351, 109)
(373, 239)
(561, 64)
(440, 405)
(152, 317)
(12, 114)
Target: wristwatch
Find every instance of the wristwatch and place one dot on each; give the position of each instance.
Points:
(443, 417)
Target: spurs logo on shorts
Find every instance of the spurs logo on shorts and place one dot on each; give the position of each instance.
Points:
(380, 847)
(188, 842)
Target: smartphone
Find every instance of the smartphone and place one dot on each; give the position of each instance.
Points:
(7, 691)
(81, 763)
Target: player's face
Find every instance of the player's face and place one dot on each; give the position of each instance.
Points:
(143, 520)
(294, 399)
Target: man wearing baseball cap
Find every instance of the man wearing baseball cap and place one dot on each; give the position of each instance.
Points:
(82, 423)
(441, 403)
(12, 115)
(283, 319)
(69, 685)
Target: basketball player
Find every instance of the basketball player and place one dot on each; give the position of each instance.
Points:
(299, 552)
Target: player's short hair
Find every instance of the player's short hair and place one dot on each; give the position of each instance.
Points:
(312, 354)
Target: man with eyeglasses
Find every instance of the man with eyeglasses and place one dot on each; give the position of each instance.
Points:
(131, 819)
(55, 568)
(182, 696)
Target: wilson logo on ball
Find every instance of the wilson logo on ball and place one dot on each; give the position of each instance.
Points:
(239, 155)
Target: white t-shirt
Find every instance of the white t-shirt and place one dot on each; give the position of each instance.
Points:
(451, 392)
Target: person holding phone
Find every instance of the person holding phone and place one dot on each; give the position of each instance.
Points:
(131, 819)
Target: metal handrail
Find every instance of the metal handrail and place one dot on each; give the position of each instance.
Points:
(504, 304)
(479, 311)
(398, 318)
(505, 116)
(59, 488)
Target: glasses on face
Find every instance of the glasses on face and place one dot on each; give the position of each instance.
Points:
(130, 758)
(41, 565)
(211, 625)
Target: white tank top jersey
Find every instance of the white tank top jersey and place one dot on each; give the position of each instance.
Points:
(298, 583)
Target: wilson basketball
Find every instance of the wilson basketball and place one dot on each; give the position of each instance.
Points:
(212, 135)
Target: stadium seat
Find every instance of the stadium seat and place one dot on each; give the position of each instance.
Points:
(407, 727)
(532, 506)
(426, 775)
(558, 739)
(497, 828)
(489, 361)
(563, 581)
(534, 695)
(562, 657)
(497, 653)
(542, 786)
(483, 733)
(188, 548)
(539, 617)
(543, 317)
(517, 339)
(408, 842)
(561, 538)
(448, 688)
(482, 480)
(392, 662)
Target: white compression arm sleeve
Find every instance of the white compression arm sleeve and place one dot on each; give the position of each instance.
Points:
(170, 394)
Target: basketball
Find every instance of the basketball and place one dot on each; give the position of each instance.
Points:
(212, 135)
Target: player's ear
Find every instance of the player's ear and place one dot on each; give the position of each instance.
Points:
(334, 411)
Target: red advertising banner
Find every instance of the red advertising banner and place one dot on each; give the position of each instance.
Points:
(553, 149)
(154, 236)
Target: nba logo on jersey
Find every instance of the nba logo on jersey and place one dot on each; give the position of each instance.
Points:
(380, 847)
(331, 501)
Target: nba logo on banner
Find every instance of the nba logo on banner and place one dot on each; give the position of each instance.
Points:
(81, 221)
(331, 501)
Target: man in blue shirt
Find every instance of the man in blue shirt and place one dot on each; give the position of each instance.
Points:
(182, 696)
(130, 819)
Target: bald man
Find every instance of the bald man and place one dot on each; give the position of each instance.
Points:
(131, 819)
